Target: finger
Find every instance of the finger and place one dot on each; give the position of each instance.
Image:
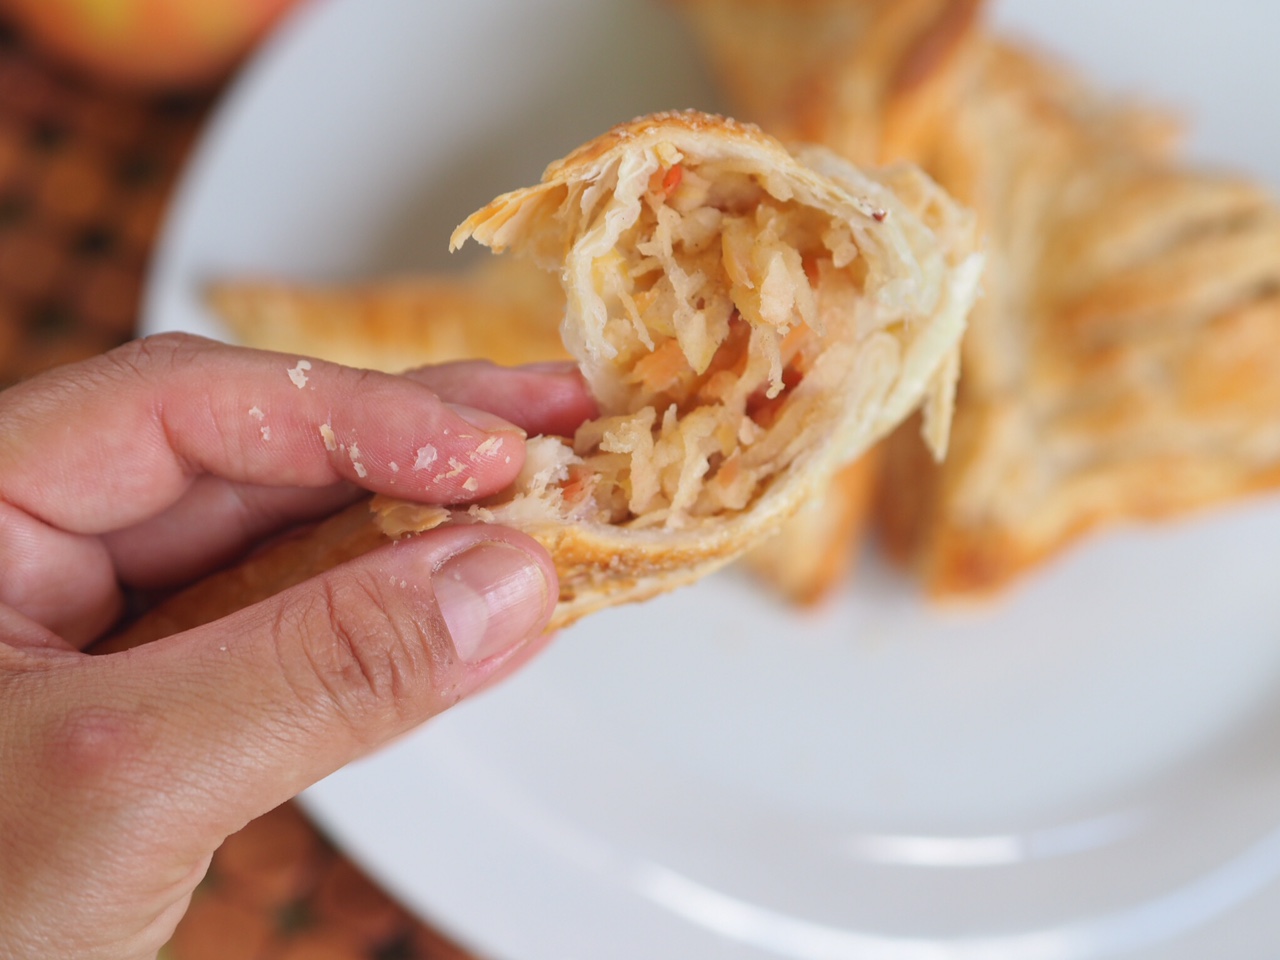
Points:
(70, 583)
(23, 633)
(112, 441)
(214, 523)
(64, 581)
(548, 398)
(217, 520)
(245, 712)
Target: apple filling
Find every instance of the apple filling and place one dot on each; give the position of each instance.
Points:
(703, 291)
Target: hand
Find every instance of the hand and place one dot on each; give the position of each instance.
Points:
(153, 464)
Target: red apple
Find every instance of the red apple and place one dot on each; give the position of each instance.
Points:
(148, 44)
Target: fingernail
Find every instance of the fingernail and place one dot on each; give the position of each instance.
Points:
(493, 597)
(486, 421)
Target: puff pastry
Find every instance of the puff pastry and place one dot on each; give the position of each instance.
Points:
(870, 79)
(817, 548)
(749, 319)
(506, 310)
(1124, 361)
(1126, 364)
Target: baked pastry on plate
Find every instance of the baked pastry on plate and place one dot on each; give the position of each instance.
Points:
(868, 78)
(1122, 361)
(1125, 364)
(817, 548)
(750, 320)
(506, 310)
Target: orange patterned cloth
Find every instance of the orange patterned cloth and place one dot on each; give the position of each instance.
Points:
(85, 174)
(278, 891)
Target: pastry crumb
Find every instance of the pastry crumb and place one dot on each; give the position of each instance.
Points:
(427, 455)
(354, 453)
(257, 414)
(298, 373)
(330, 440)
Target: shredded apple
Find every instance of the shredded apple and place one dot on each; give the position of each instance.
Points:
(710, 305)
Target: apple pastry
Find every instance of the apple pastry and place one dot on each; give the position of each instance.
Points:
(749, 319)
(505, 310)
(1121, 364)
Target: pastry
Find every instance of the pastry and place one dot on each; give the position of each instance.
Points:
(749, 319)
(506, 310)
(1119, 365)
(869, 79)
(817, 548)
(1124, 365)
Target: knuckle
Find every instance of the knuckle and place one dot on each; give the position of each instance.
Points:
(159, 352)
(361, 652)
(95, 749)
(362, 377)
(85, 746)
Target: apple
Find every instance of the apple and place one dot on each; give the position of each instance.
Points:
(155, 45)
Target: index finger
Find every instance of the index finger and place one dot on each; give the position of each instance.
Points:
(109, 442)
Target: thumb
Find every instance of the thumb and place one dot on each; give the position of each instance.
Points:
(263, 703)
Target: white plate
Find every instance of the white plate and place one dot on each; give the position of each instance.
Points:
(1091, 769)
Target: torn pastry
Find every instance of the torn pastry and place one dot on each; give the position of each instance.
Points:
(870, 79)
(750, 320)
(817, 548)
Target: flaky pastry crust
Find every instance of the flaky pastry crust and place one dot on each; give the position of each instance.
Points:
(1123, 362)
(505, 310)
(1125, 365)
(750, 320)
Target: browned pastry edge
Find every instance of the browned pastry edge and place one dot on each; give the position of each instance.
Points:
(274, 568)
(817, 549)
(956, 562)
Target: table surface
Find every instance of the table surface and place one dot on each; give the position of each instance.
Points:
(85, 174)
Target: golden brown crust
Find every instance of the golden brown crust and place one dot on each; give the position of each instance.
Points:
(274, 568)
(507, 311)
(865, 78)
(1123, 365)
(817, 548)
(870, 339)
(639, 132)
(604, 564)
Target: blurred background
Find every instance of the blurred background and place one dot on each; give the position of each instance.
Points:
(101, 104)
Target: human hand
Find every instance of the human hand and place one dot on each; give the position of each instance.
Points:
(148, 466)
